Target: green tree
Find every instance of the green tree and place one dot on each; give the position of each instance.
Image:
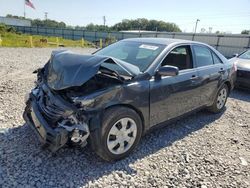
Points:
(93, 27)
(136, 24)
(148, 25)
(5, 28)
(246, 32)
(47, 23)
(13, 16)
(79, 27)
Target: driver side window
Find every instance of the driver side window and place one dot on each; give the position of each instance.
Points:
(179, 57)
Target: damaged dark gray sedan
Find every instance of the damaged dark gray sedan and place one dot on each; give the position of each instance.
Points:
(113, 97)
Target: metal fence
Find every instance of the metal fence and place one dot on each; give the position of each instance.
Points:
(227, 44)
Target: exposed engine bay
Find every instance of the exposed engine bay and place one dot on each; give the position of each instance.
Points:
(98, 82)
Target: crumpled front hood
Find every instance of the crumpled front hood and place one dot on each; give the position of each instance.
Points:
(67, 69)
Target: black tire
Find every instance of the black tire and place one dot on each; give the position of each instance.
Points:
(99, 137)
(214, 108)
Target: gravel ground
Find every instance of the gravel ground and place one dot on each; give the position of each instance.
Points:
(203, 150)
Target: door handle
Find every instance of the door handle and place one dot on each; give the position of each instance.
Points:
(222, 71)
(194, 77)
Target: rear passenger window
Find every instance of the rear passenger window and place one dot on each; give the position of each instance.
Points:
(179, 57)
(216, 59)
(203, 56)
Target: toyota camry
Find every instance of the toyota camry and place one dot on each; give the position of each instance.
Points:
(111, 98)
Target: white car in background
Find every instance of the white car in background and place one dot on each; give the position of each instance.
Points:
(242, 62)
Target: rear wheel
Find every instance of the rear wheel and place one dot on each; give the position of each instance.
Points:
(120, 133)
(220, 100)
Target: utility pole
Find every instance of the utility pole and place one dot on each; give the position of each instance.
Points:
(24, 11)
(46, 15)
(210, 29)
(196, 23)
(104, 20)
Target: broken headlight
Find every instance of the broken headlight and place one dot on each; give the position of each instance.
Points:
(83, 102)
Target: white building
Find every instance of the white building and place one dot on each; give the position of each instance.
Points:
(15, 21)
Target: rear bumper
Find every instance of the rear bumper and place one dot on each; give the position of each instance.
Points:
(52, 138)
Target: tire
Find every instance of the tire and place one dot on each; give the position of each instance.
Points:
(220, 100)
(110, 141)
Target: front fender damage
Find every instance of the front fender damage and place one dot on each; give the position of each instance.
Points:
(99, 100)
(95, 104)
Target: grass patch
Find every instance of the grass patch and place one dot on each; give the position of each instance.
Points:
(11, 38)
(23, 40)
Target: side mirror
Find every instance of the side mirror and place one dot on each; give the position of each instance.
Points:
(167, 70)
(235, 55)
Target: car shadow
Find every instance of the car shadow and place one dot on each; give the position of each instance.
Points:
(241, 94)
(23, 158)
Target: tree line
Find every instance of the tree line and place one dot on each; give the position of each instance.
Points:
(137, 24)
(246, 32)
(140, 24)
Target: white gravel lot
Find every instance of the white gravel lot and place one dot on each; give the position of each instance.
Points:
(203, 150)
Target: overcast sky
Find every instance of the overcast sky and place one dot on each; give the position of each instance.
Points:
(223, 15)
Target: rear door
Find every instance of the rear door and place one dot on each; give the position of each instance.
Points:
(172, 96)
(210, 72)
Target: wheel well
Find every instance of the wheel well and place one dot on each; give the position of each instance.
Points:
(228, 85)
(133, 108)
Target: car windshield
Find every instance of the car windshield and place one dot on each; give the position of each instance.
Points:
(136, 53)
(245, 55)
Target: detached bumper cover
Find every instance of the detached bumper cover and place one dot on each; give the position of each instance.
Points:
(52, 138)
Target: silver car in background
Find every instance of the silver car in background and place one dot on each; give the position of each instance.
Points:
(242, 61)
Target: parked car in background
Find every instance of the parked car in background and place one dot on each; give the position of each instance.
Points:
(114, 96)
(242, 61)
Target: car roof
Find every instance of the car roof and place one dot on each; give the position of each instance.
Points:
(162, 41)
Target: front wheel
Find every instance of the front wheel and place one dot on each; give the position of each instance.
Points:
(220, 100)
(120, 133)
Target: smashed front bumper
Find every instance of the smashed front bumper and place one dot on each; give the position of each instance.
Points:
(52, 138)
(53, 120)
